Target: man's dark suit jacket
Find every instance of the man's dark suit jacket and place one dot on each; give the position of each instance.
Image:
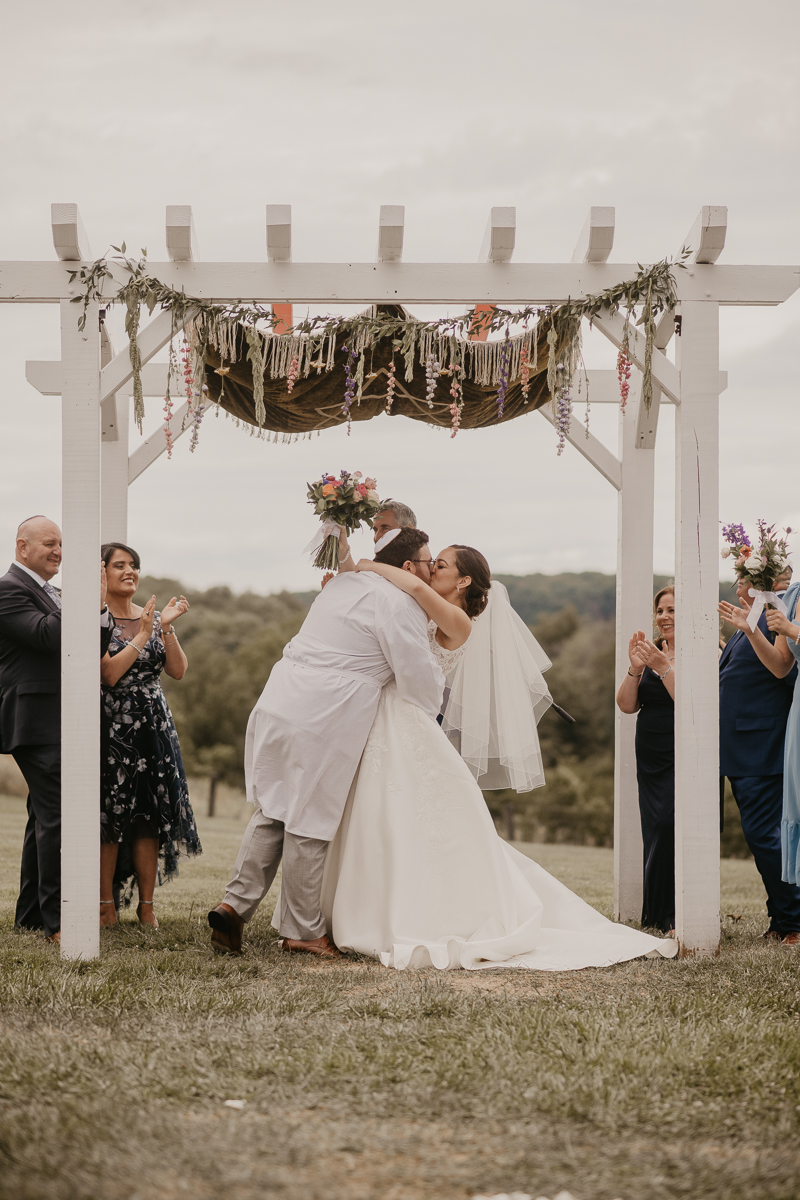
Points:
(753, 709)
(30, 663)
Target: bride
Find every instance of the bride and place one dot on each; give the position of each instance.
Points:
(417, 874)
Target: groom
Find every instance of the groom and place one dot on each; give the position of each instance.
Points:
(305, 738)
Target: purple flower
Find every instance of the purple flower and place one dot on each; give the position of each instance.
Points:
(503, 388)
(735, 535)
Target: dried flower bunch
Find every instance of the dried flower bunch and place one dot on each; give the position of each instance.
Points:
(314, 343)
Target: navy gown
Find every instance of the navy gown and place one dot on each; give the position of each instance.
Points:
(655, 771)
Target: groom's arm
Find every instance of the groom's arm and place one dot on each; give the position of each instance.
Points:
(404, 640)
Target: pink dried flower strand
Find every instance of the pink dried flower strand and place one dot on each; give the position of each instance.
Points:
(623, 375)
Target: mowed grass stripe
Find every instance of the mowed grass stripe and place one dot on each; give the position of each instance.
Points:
(649, 1079)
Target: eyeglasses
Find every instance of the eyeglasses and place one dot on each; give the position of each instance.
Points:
(428, 562)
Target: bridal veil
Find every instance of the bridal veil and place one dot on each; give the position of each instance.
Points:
(495, 697)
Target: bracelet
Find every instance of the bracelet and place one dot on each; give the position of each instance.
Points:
(633, 674)
(139, 649)
(346, 558)
(170, 633)
(666, 673)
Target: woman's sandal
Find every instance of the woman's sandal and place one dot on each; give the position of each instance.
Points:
(108, 924)
(147, 924)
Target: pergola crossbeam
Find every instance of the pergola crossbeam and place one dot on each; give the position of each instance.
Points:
(279, 234)
(391, 229)
(181, 237)
(597, 237)
(589, 446)
(69, 236)
(500, 236)
(664, 373)
(706, 238)
(403, 283)
(153, 337)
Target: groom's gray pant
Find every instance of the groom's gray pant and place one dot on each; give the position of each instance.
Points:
(264, 843)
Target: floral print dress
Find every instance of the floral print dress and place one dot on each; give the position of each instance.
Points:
(143, 784)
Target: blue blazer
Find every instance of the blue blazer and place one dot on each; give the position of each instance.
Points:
(753, 710)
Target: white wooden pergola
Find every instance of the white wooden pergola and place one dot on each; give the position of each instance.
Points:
(95, 386)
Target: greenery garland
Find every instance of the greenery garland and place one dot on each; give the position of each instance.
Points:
(653, 290)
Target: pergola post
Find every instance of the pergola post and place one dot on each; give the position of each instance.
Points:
(80, 675)
(697, 632)
(634, 611)
(115, 413)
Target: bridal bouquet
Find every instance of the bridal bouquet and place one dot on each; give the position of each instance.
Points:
(341, 503)
(760, 565)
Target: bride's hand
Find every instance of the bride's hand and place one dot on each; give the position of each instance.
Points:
(365, 564)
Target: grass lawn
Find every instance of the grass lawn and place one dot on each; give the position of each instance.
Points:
(644, 1081)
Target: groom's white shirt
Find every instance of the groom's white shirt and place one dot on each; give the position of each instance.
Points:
(307, 732)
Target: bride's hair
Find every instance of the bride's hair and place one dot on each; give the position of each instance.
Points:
(471, 562)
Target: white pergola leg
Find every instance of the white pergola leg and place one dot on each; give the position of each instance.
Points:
(114, 455)
(697, 632)
(634, 611)
(80, 670)
(114, 413)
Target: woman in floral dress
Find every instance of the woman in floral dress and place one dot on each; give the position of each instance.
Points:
(146, 817)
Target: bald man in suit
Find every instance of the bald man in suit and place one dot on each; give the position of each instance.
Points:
(30, 710)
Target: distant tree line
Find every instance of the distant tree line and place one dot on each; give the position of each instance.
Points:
(233, 641)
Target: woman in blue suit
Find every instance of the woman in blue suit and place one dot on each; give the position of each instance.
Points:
(780, 657)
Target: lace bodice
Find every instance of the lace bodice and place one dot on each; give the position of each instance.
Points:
(448, 660)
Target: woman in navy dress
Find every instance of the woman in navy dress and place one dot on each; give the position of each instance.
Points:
(146, 818)
(649, 690)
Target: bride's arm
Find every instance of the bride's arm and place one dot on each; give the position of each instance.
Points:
(346, 562)
(453, 622)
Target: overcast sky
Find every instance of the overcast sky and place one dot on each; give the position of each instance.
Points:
(448, 108)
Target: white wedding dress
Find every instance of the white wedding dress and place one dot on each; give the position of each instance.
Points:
(418, 876)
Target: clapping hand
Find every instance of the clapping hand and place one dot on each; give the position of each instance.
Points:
(176, 608)
(635, 653)
(326, 578)
(147, 617)
(651, 656)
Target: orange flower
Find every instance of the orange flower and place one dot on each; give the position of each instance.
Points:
(329, 489)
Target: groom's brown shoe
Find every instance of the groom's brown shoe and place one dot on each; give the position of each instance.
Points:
(323, 947)
(226, 926)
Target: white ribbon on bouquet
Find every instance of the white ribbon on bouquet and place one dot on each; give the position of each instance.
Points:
(760, 601)
(327, 529)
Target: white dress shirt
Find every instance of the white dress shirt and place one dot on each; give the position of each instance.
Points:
(306, 734)
(38, 578)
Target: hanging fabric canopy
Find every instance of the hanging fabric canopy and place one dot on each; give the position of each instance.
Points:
(316, 400)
